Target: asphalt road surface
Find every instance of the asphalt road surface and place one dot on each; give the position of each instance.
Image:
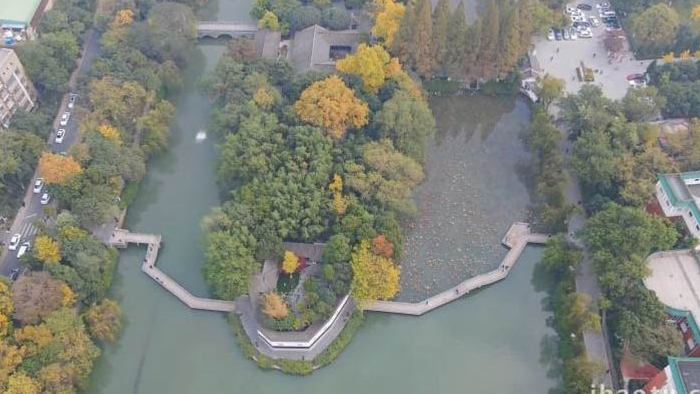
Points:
(30, 217)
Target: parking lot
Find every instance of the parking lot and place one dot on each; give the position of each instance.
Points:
(560, 58)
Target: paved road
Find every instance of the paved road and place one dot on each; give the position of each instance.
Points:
(30, 216)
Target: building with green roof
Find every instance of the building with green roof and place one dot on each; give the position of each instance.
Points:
(21, 14)
(679, 195)
(681, 376)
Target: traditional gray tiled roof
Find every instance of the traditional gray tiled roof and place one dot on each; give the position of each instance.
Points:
(313, 252)
(267, 43)
(311, 47)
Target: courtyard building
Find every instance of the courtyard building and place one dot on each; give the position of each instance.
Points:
(318, 49)
(16, 90)
(679, 195)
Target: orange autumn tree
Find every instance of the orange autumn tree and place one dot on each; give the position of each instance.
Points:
(382, 246)
(375, 277)
(57, 169)
(333, 106)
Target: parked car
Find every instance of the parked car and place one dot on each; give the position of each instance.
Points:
(45, 198)
(573, 34)
(558, 35)
(64, 118)
(566, 34)
(60, 134)
(71, 100)
(594, 21)
(14, 274)
(584, 6)
(571, 10)
(550, 35)
(578, 18)
(14, 242)
(23, 249)
(603, 5)
(585, 33)
(38, 185)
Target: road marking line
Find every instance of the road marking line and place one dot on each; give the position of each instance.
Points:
(29, 216)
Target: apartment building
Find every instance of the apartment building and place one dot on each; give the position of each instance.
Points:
(16, 90)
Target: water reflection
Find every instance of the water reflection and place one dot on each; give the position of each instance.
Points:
(473, 191)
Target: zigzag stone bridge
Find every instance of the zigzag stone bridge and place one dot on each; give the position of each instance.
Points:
(219, 29)
(517, 238)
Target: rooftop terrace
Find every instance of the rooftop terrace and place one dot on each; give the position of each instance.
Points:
(17, 11)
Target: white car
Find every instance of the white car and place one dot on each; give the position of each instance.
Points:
(571, 10)
(71, 100)
(578, 18)
(64, 118)
(574, 36)
(550, 35)
(585, 33)
(38, 185)
(14, 242)
(60, 134)
(603, 5)
(594, 21)
(45, 198)
(23, 249)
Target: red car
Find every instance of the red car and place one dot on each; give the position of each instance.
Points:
(633, 77)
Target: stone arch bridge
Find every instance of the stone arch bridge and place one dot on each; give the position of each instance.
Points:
(222, 29)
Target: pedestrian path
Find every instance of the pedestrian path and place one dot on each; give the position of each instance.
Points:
(517, 238)
(122, 238)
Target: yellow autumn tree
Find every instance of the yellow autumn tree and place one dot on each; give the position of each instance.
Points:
(290, 263)
(696, 13)
(6, 309)
(124, 18)
(264, 98)
(20, 383)
(68, 295)
(46, 250)
(669, 57)
(110, 133)
(388, 20)
(274, 306)
(10, 357)
(269, 21)
(57, 169)
(372, 64)
(340, 203)
(333, 106)
(374, 277)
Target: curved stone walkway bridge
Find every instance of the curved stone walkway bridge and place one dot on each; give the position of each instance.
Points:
(517, 238)
(122, 238)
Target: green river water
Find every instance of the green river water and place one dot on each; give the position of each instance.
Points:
(495, 341)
